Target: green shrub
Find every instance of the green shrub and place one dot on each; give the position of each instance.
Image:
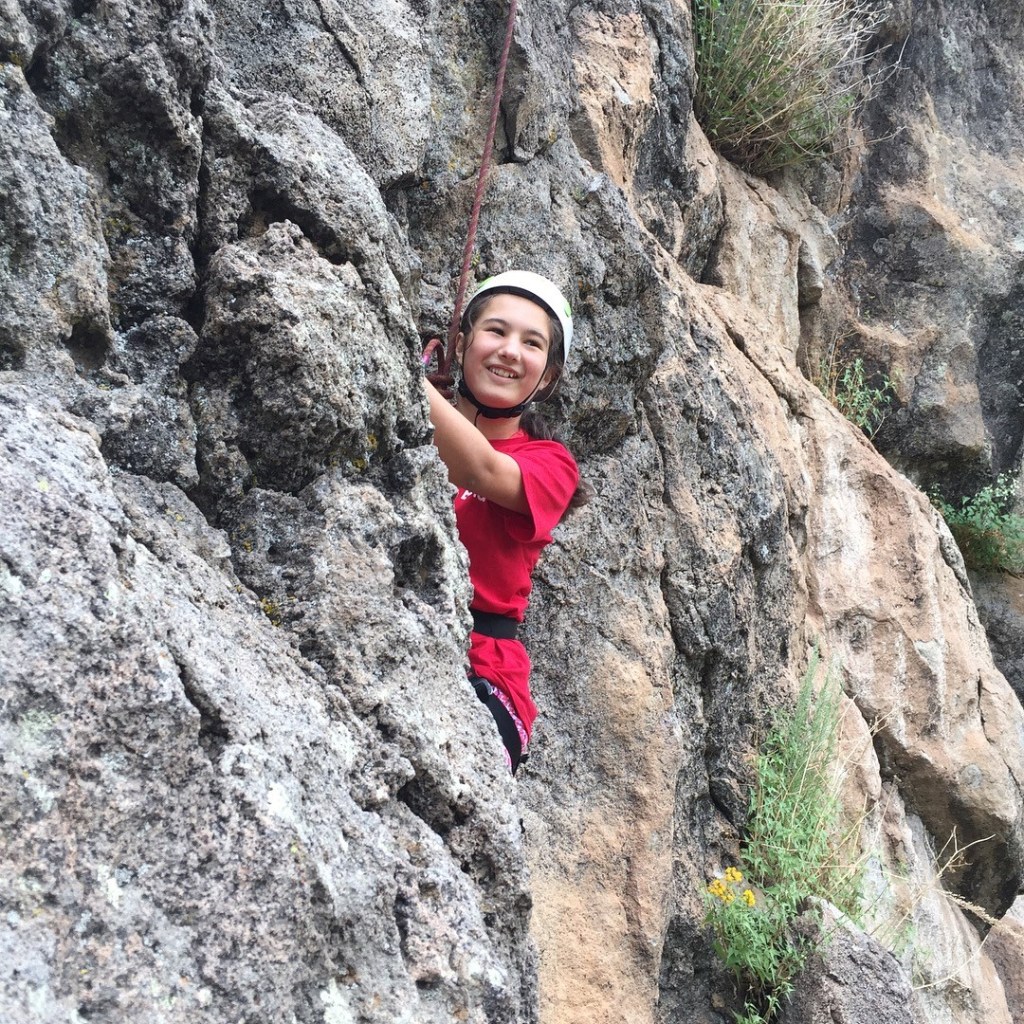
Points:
(794, 848)
(988, 533)
(775, 77)
(862, 400)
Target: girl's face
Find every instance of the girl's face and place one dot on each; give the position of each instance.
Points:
(504, 360)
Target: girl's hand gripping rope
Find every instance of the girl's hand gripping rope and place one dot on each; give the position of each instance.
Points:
(440, 378)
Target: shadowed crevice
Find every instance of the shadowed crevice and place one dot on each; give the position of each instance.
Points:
(214, 734)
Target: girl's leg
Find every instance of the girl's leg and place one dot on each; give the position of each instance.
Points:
(510, 728)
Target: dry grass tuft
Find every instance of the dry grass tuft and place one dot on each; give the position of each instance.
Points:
(777, 79)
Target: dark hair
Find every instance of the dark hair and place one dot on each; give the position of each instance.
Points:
(537, 427)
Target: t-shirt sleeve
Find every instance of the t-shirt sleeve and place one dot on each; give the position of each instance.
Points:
(550, 476)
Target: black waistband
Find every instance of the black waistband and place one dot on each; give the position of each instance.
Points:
(501, 627)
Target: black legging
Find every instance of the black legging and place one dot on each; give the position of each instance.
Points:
(506, 727)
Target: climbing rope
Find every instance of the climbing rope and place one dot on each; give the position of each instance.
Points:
(445, 360)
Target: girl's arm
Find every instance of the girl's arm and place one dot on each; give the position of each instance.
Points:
(472, 463)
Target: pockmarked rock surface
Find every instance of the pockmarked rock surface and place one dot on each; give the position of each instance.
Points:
(244, 777)
(200, 820)
(849, 977)
(1000, 601)
(932, 250)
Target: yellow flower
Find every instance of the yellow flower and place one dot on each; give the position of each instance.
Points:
(728, 896)
(733, 875)
(717, 888)
(748, 897)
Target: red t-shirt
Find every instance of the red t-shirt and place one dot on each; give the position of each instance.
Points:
(503, 548)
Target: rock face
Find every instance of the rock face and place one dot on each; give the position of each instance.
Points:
(244, 775)
(1000, 600)
(932, 253)
(199, 819)
(851, 977)
(1006, 948)
(930, 275)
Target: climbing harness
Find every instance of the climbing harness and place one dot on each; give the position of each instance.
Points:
(501, 627)
(507, 730)
(444, 370)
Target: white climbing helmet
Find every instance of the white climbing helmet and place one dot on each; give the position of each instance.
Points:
(540, 290)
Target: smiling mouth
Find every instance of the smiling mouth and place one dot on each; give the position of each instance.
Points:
(503, 374)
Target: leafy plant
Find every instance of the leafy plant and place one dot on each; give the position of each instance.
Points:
(863, 400)
(794, 849)
(775, 77)
(988, 532)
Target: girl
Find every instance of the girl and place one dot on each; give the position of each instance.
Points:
(515, 481)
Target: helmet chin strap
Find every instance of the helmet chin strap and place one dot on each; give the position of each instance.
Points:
(492, 412)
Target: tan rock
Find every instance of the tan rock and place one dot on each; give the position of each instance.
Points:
(771, 254)
(615, 71)
(622, 92)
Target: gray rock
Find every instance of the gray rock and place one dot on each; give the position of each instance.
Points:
(932, 255)
(244, 776)
(121, 84)
(849, 979)
(53, 259)
(1000, 600)
(140, 404)
(203, 824)
(361, 68)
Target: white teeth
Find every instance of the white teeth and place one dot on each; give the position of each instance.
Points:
(506, 374)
